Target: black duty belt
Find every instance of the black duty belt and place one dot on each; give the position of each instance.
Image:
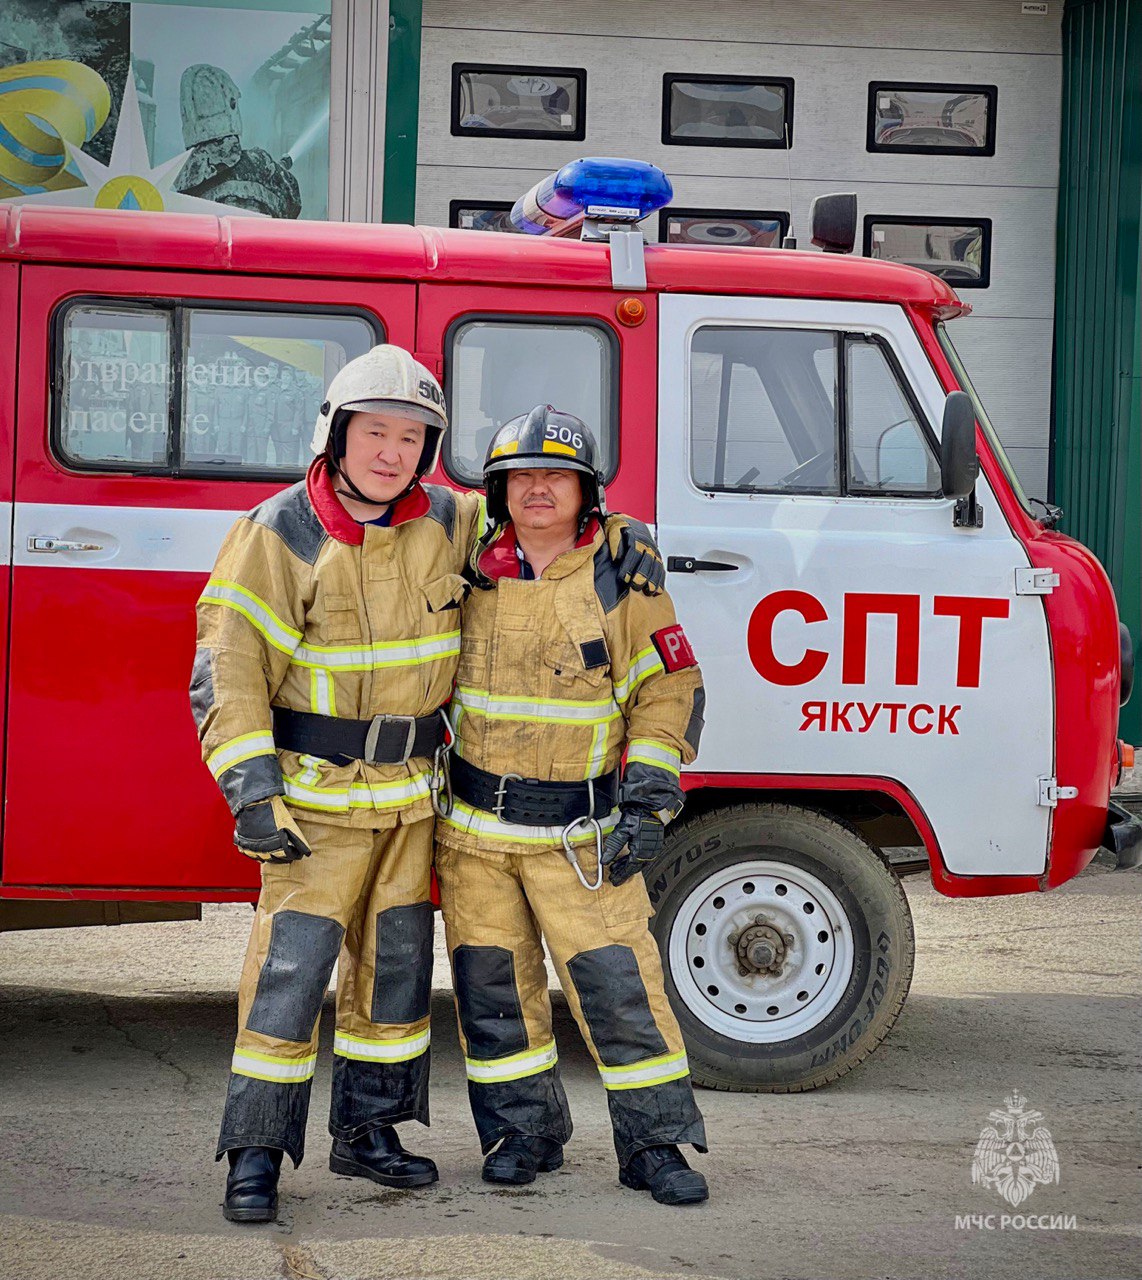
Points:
(381, 740)
(529, 801)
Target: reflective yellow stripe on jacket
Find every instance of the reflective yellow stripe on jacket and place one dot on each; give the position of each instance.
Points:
(244, 747)
(536, 710)
(259, 614)
(645, 751)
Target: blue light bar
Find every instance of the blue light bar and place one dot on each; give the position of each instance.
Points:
(613, 189)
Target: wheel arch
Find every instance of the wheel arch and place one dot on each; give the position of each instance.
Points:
(884, 810)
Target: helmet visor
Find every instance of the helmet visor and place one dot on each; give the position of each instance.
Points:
(398, 409)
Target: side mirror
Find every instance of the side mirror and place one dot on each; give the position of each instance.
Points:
(833, 223)
(959, 461)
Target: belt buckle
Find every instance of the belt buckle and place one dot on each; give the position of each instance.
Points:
(501, 793)
(374, 734)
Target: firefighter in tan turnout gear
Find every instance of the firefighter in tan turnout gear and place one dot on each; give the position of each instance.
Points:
(563, 671)
(328, 636)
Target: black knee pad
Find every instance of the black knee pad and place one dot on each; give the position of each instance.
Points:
(291, 986)
(615, 1006)
(402, 978)
(486, 991)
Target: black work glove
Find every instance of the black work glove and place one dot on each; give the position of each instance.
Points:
(266, 832)
(636, 554)
(641, 835)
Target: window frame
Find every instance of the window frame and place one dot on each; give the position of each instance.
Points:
(514, 317)
(896, 219)
(578, 74)
(842, 339)
(176, 309)
(492, 206)
(671, 78)
(849, 338)
(664, 216)
(989, 91)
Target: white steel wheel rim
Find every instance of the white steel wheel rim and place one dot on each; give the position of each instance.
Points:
(761, 1008)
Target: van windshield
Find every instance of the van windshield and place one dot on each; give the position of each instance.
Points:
(984, 421)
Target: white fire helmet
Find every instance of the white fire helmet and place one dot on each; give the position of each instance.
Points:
(384, 380)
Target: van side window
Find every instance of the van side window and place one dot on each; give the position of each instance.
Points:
(115, 387)
(185, 389)
(887, 449)
(763, 410)
(804, 411)
(500, 368)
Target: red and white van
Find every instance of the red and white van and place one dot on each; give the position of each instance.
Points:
(896, 657)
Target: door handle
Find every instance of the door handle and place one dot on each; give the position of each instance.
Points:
(687, 564)
(49, 545)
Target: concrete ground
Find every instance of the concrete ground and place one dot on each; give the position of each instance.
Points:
(114, 1045)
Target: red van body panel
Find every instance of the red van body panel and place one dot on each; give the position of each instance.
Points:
(113, 815)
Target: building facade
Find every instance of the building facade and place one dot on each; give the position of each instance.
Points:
(956, 125)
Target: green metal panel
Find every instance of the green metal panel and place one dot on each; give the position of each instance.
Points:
(1097, 455)
(402, 111)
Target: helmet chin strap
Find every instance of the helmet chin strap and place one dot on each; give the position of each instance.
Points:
(354, 492)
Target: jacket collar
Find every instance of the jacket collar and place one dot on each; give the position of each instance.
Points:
(499, 559)
(337, 522)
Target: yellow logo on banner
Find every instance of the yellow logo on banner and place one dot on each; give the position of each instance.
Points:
(129, 191)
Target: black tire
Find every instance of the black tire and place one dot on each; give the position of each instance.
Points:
(883, 941)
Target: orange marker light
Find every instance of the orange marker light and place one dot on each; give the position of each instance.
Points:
(631, 311)
(1127, 756)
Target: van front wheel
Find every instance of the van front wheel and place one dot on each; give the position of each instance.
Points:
(787, 945)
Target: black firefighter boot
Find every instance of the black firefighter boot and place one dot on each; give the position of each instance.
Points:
(379, 1155)
(663, 1172)
(252, 1184)
(520, 1157)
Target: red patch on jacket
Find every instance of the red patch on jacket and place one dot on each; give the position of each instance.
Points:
(673, 648)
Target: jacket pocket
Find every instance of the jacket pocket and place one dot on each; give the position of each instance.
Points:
(473, 666)
(445, 593)
(339, 617)
(570, 677)
(625, 904)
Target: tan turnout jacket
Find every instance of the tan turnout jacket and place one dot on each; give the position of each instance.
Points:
(559, 677)
(310, 610)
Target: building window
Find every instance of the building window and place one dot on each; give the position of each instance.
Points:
(519, 102)
(481, 215)
(756, 229)
(499, 368)
(932, 119)
(180, 389)
(727, 111)
(238, 88)
(767, 416)
(957, 250)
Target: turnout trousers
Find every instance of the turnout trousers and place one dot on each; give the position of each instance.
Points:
(363, 896)
(497, 907)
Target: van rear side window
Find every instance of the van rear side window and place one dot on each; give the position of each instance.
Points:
(185, 389)
(804, 411)
(501, 368)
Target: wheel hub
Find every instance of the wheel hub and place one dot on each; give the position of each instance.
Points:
(760, 948)
(761, 951)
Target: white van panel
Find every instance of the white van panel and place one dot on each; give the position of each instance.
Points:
(973, 758)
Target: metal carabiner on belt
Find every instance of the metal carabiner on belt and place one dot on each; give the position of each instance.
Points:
(586, 822)
(441, 778)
